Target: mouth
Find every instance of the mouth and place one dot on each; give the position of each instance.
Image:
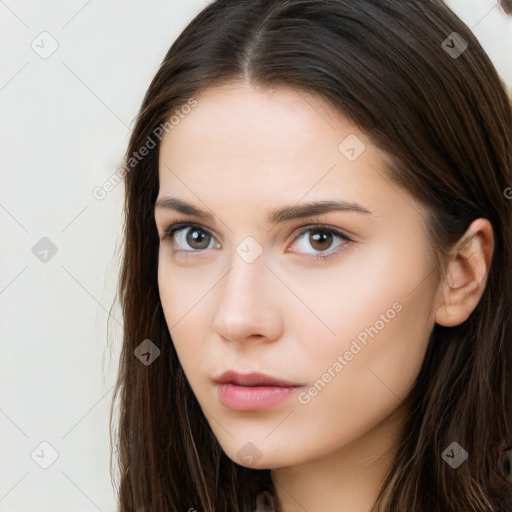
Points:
(252, 379)
(252, 391)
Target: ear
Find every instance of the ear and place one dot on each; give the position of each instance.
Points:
(466, 274)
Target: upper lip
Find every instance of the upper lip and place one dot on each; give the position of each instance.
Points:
(251, 379)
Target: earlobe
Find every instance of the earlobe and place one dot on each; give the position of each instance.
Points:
(466, 274)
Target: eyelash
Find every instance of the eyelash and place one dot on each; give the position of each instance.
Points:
(178, 226)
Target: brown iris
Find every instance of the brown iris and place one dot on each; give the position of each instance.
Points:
(320, 237)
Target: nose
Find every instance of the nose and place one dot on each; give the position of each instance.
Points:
(250, 303)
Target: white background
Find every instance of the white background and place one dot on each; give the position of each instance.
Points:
(64, 125)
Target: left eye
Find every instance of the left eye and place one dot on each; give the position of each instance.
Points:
(321, 238)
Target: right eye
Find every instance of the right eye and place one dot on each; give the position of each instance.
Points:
(193, 236)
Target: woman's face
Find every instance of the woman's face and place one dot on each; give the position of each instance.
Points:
(242, 291)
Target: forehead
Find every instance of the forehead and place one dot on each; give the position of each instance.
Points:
(239, 117)
(271, 140)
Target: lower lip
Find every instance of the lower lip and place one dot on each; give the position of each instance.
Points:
(247, 398)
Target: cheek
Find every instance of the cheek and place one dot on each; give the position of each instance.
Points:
(183, 287)
(364, 289)
(387, 309)
(181, 295)
(370, 380)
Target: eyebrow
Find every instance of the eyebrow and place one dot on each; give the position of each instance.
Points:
(274, 216)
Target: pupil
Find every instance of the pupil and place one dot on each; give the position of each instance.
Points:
(320, 238)
(196, 236)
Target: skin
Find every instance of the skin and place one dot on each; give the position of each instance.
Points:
(240, 152)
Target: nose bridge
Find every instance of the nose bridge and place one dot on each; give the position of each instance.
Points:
(246, 277)
(245, 306)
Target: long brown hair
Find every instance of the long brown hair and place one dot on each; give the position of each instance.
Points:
(445, 121)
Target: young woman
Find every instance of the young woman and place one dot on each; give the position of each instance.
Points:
(316, 281)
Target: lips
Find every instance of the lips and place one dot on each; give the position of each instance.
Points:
(253, 391)
(252, 379)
